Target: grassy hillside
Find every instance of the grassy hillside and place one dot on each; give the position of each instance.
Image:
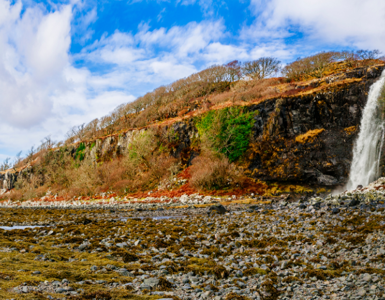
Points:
(158, 160)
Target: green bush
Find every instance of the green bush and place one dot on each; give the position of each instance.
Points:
(80, 152)
(227, 131)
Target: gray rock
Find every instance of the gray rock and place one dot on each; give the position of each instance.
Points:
(101, 281)
(327, 180)
(121, 245)
(60, 290)
(361, 292)
(354, 202)
(220, 209)
(367, 277)
(335, 210)
(152, 282)
(145, 287)
(186, 287)
(83, 246)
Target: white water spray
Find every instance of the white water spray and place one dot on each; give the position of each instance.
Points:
(367, 149)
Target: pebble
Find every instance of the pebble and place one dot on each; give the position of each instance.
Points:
(309, 249)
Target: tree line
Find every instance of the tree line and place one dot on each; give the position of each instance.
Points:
(178, 97)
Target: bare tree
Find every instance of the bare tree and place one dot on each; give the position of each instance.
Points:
(31, 152)
(6, 165)
(261, 68)
(80, 131)
(350, 57)
(92, 128)
(314, 65)
(368, 54)
(46, 143)
(76, 133)
(18, 159)
(233, 71)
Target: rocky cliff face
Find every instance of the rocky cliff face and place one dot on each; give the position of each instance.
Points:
(309, 138)
(7, 180)
(304, 138)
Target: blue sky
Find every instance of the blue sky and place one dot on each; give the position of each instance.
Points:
(64, 63)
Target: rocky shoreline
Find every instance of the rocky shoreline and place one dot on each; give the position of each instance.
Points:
(251, 248)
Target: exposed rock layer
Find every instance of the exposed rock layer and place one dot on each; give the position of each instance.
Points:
(304, 138)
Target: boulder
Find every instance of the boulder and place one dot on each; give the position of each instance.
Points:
(151, 282)
(326, 180)
(335, 211)
(184, 199)
(354, 202)
(254, 207)
(220, 209)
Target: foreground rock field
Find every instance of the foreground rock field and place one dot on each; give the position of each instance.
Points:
(330, 248)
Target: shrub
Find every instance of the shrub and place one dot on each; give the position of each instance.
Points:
(210, 171)
(227, 131)
(144, 166)
(79, 154)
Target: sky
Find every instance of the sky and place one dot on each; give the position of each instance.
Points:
(65, 63)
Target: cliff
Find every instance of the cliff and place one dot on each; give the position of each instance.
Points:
(302, 138)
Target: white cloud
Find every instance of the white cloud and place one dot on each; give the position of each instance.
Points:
(185, 40)
(43, 93)
(82, 26)
(34, 51)
(157, 56)
(340, 22)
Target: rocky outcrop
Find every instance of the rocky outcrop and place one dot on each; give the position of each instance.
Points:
(309, 138)
(303, 138)
(7, 180)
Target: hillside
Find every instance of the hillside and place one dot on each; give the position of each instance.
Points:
(212, 133)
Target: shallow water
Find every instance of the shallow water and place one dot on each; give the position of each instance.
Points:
(167, 217)
(154, 218)
(18, 227)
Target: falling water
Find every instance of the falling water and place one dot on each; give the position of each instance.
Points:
(367, 149)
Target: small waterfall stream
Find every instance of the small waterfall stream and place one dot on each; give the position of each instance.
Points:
(367, 148)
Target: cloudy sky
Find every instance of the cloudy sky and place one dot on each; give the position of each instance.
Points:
(64, 63)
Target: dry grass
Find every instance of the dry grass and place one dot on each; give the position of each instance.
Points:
(143, 168)
(247, 91)
(211, 171)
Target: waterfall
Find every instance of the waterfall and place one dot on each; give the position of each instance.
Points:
(367, 148)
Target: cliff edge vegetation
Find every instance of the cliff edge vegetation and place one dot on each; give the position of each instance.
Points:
(226, 130)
